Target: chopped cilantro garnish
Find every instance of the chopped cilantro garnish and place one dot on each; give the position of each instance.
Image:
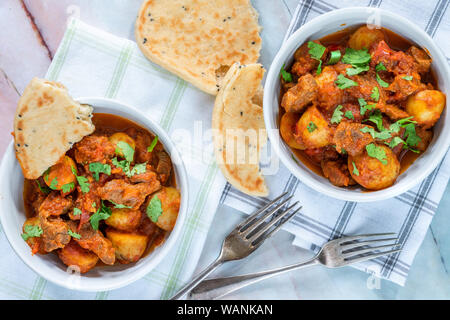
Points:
(335, 56)
(74, 234)
(343, 151)
(409, 78)
(77, 212)
(376, 152)
(377, 118)
(66, 188)
(395, 142)
(380, 67)
(375, 134)
(119, 206)
(355, 170)
(344, 83)
(337, 115)
(349, 115)
(102, 213)
(125, 166)
(97, 167)
(54, 184)
(357, 70)
(31, 231)
(139, 169)
(364, 107)
(155, 139)
(311, 126)
(125, 150)
(284, 74)
(381, 82)
(316, 52)
(375, 94)
(154, 209)
(356, 57)
(84, 184)
(412, 139)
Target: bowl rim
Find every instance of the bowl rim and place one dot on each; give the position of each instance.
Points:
(272, 79)
(150, 261)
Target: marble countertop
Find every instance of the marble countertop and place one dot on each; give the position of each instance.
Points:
(31, 31)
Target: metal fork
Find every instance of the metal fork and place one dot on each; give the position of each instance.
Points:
(247, 237)
(335, 253)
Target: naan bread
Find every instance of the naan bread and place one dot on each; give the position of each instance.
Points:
(199, 40)
(46, 125)
(238, 128)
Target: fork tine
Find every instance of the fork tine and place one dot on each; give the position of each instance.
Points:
(365, 243)
(278, 227)
(371, 256)
(362, 236)
(257, 212)
(259, 221)
(268, 225)
(362, 251)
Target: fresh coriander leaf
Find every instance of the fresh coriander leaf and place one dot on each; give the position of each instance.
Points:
(97, 167)
(44, 189)
(381, 82)
(77, 212)
(349, 115)
(335, 56)
(284, 74)
(319, 67)
(31, 231)
(311, 126)
(74, 170)
(357, 70)
(412, 139)
(395, 127)
(356, 57)
(380, 67)
(66, 188)
(409, 78)
(383, 135)
(364, 107)
(316, 50)
(84, 184)
(74, 234)
(337, 115)
(344, 83)
(119, 206)
(377, 118)
(125, 149)
(102, 213)
(376, 152)
(155, 139)
(355, 170)
(375, 94)
(395, 142)
(154, 209)
(123, 164)
(54, 184)
(139, 169)
(343, 151)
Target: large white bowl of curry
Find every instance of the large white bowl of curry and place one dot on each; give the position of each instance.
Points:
(412, 167)
(109, 117)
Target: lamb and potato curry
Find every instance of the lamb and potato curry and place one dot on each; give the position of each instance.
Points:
(111, 198)
(357, 103)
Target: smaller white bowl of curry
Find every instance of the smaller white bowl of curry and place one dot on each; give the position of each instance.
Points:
(118, 232)
(358, 111)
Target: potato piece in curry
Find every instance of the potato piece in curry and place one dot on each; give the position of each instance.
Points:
(355, 103)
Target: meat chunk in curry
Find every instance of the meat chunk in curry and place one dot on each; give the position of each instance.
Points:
(367, 94)
(105, 200)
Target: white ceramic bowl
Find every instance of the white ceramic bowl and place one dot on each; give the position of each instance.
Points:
(332, 22)
(49, 266)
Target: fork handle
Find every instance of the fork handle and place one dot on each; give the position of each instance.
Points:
(202, 275)
(217, 288)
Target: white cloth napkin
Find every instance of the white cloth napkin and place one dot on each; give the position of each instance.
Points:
(323, 218)
(90, 62)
